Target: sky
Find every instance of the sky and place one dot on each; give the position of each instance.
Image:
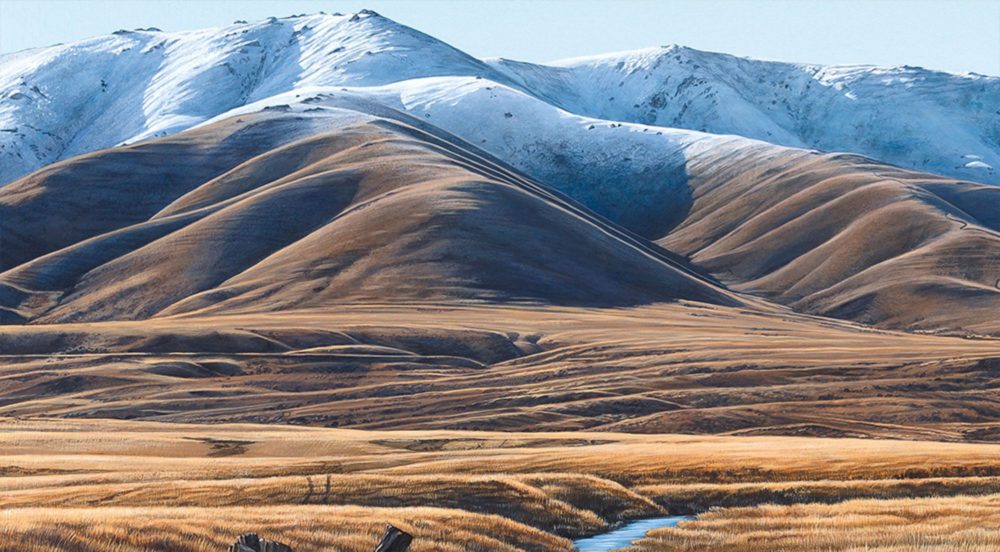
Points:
(950, 35)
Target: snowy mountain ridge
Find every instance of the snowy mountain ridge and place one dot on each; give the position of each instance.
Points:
(64, 100)
(913, 117)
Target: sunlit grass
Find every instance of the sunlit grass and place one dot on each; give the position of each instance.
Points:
(963, 523)
(117, 486)
(306, 528)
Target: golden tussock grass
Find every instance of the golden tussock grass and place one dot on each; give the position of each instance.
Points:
(144, 486)
(637, 460)
(306, 528)
(949, 524)
(699, 497)
(560, 504)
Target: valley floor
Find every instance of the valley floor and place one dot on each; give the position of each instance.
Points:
(683, 367)
(113, 485)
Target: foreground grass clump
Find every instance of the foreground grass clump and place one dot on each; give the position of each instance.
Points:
(943, 524)
(306, 528)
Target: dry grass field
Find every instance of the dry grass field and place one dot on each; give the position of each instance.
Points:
(173, 434)
(668, 368)
(122, 529)
(944, 524)
(112, 485)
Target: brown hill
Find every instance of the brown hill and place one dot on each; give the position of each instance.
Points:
(374, 208)
(845, 236)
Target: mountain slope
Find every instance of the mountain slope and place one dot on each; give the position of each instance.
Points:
(374, 207)
(838, 235)
(847, 237)
(633, 174)
(824, 234)
(833, 234)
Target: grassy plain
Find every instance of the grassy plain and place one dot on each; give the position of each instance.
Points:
(668, 368)
(115, 486)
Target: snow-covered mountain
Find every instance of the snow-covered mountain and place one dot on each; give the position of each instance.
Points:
(908, 116)
(65, 100)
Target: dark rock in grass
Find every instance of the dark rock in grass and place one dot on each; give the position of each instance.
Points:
(394, 540)
(250, 542)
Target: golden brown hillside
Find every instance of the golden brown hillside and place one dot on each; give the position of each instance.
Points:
(361, 209)
(845, 236)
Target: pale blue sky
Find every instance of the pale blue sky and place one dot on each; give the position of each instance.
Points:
(951, 35)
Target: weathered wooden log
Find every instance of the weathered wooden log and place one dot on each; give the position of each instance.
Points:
(250, 542)
(394, 540)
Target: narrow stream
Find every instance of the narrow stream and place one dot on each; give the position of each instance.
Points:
(623, 536)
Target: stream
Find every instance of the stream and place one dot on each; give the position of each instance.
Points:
(623, 536)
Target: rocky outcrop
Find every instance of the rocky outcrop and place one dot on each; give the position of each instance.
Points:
(250, 542)
(394, 540)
